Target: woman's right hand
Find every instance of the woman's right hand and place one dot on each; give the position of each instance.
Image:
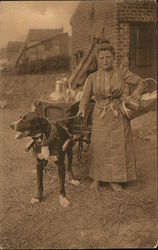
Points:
(81, 113)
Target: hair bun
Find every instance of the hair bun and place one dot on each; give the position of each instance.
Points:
(104, 45)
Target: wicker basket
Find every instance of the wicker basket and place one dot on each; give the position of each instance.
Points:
(147, 103)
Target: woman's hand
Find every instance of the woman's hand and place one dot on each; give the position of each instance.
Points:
(136, 95)
(81, 113)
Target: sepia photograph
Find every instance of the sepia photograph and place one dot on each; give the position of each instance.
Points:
(78, 124)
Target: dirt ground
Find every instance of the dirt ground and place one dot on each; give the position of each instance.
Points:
(103, 219)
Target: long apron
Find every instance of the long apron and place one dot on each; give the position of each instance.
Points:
(112, 151)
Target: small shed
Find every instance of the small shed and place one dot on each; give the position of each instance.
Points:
(57, 45)
(50, 44)
(38, 35)
(3, 53)
(13, 49)
(130, 26)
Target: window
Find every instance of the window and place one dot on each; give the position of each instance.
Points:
(145, 44)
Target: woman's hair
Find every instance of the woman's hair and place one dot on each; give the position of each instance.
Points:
(106, 47)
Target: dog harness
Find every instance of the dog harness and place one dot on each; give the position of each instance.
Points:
(46, 141)
(53, 135)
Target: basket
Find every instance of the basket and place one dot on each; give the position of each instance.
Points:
(132, 109)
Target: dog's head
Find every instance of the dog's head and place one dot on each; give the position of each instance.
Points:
(30, 124)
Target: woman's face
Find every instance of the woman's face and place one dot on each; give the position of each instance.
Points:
(105, 60)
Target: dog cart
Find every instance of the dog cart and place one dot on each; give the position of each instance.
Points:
(63, 113)
(61, 109)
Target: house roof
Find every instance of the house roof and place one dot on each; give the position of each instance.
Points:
(14, 46)
(26, 46)
(46, 40)
(42, 34)
(137, 11)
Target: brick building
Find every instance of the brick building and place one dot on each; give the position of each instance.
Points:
(130, 26)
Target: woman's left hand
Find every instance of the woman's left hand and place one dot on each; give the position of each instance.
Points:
(136, 95)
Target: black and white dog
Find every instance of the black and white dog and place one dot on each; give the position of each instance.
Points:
(47, 139)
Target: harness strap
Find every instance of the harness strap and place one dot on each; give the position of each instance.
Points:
(53, 134)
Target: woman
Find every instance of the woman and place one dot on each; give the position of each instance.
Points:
(112, 156)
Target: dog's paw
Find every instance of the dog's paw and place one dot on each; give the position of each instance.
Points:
(74, 182)
(34, 200)
(64, 201)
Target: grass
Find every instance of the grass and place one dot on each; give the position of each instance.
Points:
(103, 219)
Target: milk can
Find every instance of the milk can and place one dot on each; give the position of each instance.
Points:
(60, 92)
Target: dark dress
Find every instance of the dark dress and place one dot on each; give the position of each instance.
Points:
(112, 152)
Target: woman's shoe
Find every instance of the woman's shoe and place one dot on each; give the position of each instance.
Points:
(94, 185)
(116, 186)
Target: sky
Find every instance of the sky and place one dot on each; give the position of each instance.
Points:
(17, 17)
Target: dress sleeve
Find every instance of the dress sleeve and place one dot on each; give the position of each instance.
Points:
(132, 79)
(87, 93)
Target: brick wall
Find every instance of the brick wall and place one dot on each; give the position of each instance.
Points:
(116, 16)
(88, 19)
(123, 44)
(80, 29)
(137, 11)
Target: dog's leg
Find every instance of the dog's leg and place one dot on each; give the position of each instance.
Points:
(61, 169)
(72, 179)
(39, 170)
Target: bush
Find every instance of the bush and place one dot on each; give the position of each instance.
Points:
(50, 64)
